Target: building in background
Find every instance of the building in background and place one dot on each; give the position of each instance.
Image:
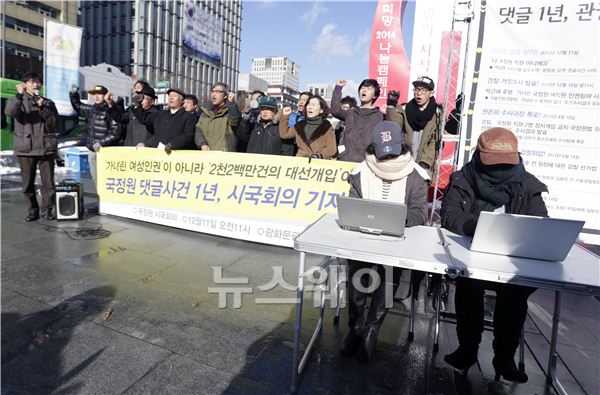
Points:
(117, 82)
(187, 44)
(283, 76)
(324, 90)
(249, 83)
(23, 33)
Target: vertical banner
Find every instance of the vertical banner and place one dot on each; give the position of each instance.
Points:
(62, 44)
(388, 63)
(202, 33)
(431, 44)
(535, 72)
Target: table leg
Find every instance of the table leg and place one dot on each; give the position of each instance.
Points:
(298, 324)
(551, 375)
(437, 318)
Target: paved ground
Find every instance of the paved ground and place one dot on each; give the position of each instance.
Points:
(166, 335)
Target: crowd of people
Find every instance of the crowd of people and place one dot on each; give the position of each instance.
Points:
(263, 128)
(395, 151)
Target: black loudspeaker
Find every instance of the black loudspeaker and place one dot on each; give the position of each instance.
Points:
(69, 200)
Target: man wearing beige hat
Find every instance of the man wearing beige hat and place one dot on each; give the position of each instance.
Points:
(493, 180)
(102, 131)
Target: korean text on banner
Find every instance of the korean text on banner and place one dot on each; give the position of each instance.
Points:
(62, 44)
(268, 199)
(388, 63)
(202, 35)
(535, 72)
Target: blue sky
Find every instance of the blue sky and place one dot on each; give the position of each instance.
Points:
(328, 39)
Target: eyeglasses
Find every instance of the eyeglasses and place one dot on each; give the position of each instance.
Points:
(420, 90)
(217, 91)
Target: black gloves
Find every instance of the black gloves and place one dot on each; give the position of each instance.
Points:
(469, 227)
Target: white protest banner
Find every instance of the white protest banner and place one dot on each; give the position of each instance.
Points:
(202, 36)
(535, 72)
(62, 44)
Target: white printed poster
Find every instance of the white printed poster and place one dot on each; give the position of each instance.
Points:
(202, 33)
(535, 72)
(62, 44)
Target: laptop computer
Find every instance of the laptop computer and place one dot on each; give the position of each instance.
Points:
(543, 238)
(371, 216)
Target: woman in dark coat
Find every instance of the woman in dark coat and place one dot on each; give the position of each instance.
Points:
(494, 180)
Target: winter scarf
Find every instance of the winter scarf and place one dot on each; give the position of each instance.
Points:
(373, 173)
(311, 126)
(493, 185)
(417, 119)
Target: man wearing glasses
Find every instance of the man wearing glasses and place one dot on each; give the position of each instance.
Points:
(420, 120)
(218, 121)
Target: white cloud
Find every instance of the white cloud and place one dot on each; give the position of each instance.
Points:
(364, 38)
(334, 45)
(311, 16)
(365, 57)
(265, 4)
(329, 43)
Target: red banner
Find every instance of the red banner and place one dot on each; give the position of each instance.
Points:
(388, 63)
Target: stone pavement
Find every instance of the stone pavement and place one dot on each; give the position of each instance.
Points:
(132, 314)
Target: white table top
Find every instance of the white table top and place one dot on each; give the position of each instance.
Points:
(421, 249)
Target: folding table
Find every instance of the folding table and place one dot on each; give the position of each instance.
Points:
(435, 250)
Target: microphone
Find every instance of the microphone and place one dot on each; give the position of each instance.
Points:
(36, 96)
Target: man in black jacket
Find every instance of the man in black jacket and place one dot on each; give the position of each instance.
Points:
(136, 131)
(102, 131)
(494, 180)
(34, 118)
(173, 127)
(190, 103)
(264, 137)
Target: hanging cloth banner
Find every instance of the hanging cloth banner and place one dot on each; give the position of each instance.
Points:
(62, 44)
(388, 63)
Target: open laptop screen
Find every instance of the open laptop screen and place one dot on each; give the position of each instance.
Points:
(525, 236)
(371, 216)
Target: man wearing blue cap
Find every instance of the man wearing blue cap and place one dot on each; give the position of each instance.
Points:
(264, 137)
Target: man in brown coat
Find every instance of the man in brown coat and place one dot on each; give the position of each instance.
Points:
(35, 118)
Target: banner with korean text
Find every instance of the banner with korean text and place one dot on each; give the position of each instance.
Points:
(202, 33)
(62, 44)
(267, 199)
(535, 72)
(388, 63)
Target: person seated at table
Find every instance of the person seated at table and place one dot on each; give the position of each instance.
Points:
(493, 180)
(388, 173)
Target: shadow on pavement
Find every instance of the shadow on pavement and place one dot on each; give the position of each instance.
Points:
(32, 345)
